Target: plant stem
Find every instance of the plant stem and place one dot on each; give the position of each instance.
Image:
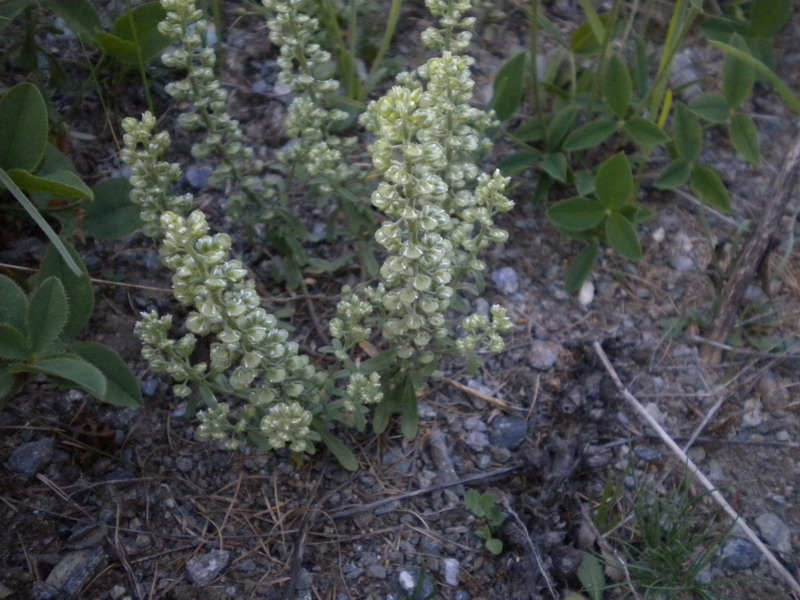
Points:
(388, 35)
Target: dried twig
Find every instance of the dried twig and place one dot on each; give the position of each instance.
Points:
(738, 521)
(496, 402)
(524, 530)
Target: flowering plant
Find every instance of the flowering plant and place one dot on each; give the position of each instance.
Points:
(255, 384)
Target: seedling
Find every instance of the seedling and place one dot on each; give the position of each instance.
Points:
(485, 506)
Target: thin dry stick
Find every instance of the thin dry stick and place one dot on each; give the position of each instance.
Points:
(524, 531)
(496, 402)
(737, 519)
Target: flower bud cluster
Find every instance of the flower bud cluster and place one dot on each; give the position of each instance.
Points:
(321, 153)
(450, 14)
(151, 178)
(185, 25)
(440, 209)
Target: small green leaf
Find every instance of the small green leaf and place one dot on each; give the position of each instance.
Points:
(555, 165)
(711, 107)
(768, 17)
(508, 87)
(409, 410)
(9, 9)
(709, 188)
(23, 127)
(577, 214)
(151, 42)
(80, 294)
(589, 135)
(122, 388)
(13, 344)
(74, 370)
(645, 133)
(675, 175)
(591, 576)
(581, 269)
(7, 379)
(614, 183)
(518, 163)
(738, 77)
(744, 137)
(14, 304)
(79, 15)
(112, 215)
(58, 183)
(585, 183)
(47, 313)
(529, 132)
(122, 50)
(617, 86)
(559, 126)
(687, 133)
(621, 236)
(494, 546)
(342, 453)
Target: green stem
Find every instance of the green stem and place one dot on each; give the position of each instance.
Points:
(388, 35)
(140, 62)
(534, 54)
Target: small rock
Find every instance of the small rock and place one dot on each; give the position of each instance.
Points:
(76, 569)
(739, 554)
(396, 460)
(477, 440)
(197, 175)
(149, 387)
(117, 592)
(205, 568)
(4, 592)
(305, 580)
(44, 591)
(462, 595)
(543, 355)
(648, 454)
(509, 432)
(682, 264)
(28, 459)
(506, 280)
(775, 531)
(450, 569)
(184, 464)
(417, 582)
(586, 293)
(473, 423)
(753, 414)
(376, 571)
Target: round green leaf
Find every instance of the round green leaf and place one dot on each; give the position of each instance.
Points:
(73, 370)
(738, 77)
(112, 215)
(645, 133)
(57, 183)
(47, 313)
(590, 135)
(23, 127)
(675, 175)
(768, 17)
(744, 137)
(687, 133)
(508, 87)
(14, 304)
(711, 107)
(577, 214)
(79, 15)
(617, 86)
(144, 19)
(122, 388)
(621, 236)
(614, 183)
(494, 546)
(709, 188)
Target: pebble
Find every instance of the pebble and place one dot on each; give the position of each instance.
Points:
(412, 578)
(149, 387)
(739, 554)
(76, 569)
(774, 531)
(450, 569)
(396, 460)
(44, 591)
(477, 440)
(205, 568)
(543, 355)
(509, 432)
(506, 280)
(682, 264)
(28, 459)
(185, 464)
(586, 293)
(197, 175)
(473, 423)
(462, 595)
(376, 571)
